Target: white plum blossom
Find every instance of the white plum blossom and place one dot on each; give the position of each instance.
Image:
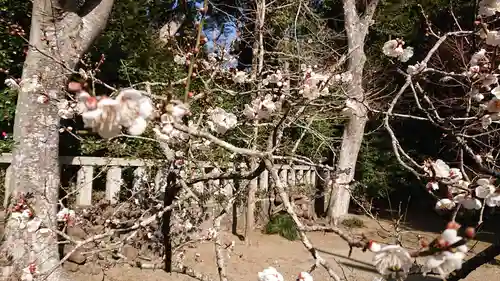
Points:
(488, 80)
(270, 274)
(65, 109)
(458, 187)
(240, 77)
(479, 58)
(29, 273)
(496, 92)
(346, 77)
(168, 133)
(314, 86)
(488, 119)
(221, 121)
(390, 260)
(493, 105)
(407, 54)
(106, 116)
(493, 108)
(489, 7)
(135, 110)
(11, 83)
(432, 185)
(26, 220)
(445, 204)
(440, 170)
(262, 108)
(445, 262)
(476, 95)
(42, 99)
(394, 48)
(488, 192)
(181, 60)
(66, 215)
(416, 68)
(176, 111)
(304, 276)
(104, 120)
(273, 78)
(468, 202)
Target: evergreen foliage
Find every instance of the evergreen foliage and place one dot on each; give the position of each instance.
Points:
(133, 54)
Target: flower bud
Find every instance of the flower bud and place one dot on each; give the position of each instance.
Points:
(441, 243)
(74, 86)
(373, 246)
(42, 99)
(424, 243)
(453, 225)
(470, 232)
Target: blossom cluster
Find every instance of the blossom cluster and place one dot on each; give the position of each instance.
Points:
(271, 274)
(484, 85)
(316, 84)
(444, 255)
(394, 48)
(107, 116)
(467, 194)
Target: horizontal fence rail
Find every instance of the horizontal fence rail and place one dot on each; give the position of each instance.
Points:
(291, 175)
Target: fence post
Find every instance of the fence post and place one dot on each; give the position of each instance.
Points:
(291, 176)
(84, 180)
(300, 176)
(284, 177)
(113, 183)
(307, 176)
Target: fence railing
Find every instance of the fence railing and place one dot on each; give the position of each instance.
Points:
(290, 175)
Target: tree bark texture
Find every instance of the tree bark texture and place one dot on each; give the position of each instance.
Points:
(58, 38)
(356, 29)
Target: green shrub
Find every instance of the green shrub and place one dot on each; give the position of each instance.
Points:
(353, 223)
(283, 225)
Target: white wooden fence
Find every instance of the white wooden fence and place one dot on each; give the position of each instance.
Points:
(291, 175)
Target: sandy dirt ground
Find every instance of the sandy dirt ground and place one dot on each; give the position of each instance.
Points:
(289, 258)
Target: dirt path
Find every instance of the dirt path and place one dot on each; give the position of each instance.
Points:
(288, 257)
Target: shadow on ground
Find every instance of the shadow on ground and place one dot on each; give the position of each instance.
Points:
(420, 215)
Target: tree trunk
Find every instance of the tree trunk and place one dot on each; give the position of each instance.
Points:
(356, 29)
(351, 143)
(58, 37)
(257, 67)
(323, 182)
(250, 210)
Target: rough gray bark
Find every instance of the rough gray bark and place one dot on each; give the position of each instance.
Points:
(58, 38)
(356, 29)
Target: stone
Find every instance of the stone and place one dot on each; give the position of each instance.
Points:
(76, 232)
(73, 267)
(130, 252)
(101, 256)
(95, 269)
(76, 257)
(97, 229)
